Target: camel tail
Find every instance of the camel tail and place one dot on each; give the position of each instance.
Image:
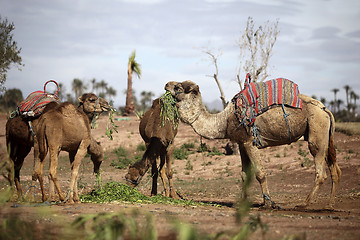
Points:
(331, 159)
(41, 139)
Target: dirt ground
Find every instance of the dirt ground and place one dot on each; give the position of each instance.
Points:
(217, 179)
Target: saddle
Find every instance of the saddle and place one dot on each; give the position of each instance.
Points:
(35, 103)
(257, 98)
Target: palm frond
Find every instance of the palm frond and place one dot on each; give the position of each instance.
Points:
(135, 66)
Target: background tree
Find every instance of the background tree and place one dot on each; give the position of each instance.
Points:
(11, 99)
(256, 49)
(9, 51)
(335, 90)
(93, 85)
(255, 52)
(214, 59)
(347, 92)
(102, 85)
(111, 92)
(78, 87)
(133, 67)
(146, 99)
(61, 93)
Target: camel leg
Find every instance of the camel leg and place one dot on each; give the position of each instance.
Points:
(335, 178)
(154, 174)
(39, 158)
(318, 150)
(53, 172)
(21, 152)
(82, 150)
(162, 173)
(169, 172)
(250, 157)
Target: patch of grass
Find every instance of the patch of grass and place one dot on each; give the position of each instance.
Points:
(123, 160)
(203, 147)
(116, 226)
(215, 152)
(180, 153)
(141, 147)
(303, 153)
(114, 191)
(189, 166)
(349, 128)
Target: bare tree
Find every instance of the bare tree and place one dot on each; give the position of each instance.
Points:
(255, 52)
(256, 49)
(214, 58)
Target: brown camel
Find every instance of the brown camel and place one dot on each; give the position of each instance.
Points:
(313, 121)
(67, 128)
(159, 138)
(19, 141)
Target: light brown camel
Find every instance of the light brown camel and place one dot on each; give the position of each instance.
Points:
(313, 121)
(67, 128)
(19, 141)
(159, 138)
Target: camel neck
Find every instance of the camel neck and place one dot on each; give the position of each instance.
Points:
(212, 126)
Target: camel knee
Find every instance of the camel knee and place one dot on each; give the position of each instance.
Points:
(320, 178)
(260, 176)
(169, 173)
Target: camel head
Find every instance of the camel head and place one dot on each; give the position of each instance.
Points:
(188, 101)
(170, 87)
(133, 176)
(93, 104)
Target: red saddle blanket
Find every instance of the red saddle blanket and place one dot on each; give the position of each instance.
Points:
(257, 98)
(35, 103)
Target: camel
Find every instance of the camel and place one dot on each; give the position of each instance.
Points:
(159, 138)
(67, 128)
(314, 122)
(19, 141)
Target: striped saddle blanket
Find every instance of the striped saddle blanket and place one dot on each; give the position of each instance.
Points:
(257, 98)
(36, 102)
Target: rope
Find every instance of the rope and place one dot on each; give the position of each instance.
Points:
(287, 122)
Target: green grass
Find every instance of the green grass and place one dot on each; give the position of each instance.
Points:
(124, 158)
(114, 191)
(349, 128)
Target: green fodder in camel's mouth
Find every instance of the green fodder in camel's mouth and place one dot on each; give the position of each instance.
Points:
(119, 192)
(169, 110)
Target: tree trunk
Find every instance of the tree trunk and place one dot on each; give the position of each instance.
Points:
(222, 96)
(129, 106)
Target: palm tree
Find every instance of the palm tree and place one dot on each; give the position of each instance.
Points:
(78, 87)
(354, 96)
(146, 98)
(347, 89)
(133, 67)
(93, 85)
(61, 92)
(102, 85)
(335, 90)
(111, 92)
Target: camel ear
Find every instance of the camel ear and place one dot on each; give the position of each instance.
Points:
(192, 88)
(80, 99)
(189, 86)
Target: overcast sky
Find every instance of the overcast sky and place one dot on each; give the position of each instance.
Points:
(318, 46)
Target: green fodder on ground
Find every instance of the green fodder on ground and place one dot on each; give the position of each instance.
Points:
(115, 192)
(349, 128)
